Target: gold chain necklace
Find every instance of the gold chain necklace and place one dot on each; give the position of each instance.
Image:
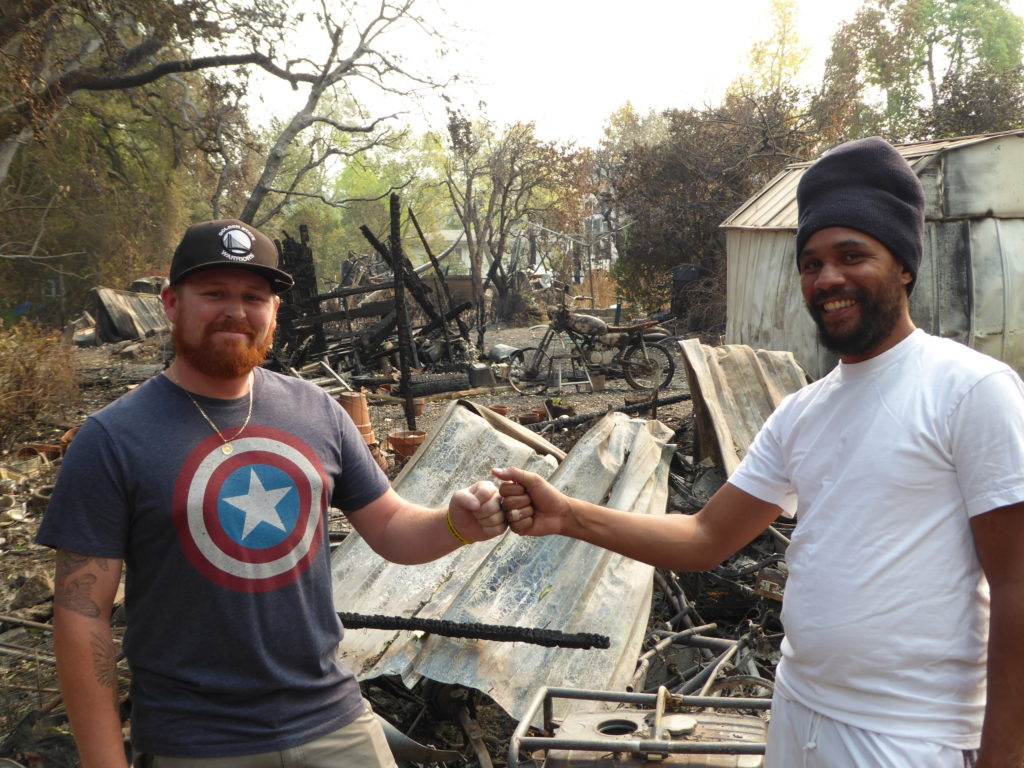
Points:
(226, 448)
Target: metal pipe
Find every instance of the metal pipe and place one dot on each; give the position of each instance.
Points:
(726, 657)
(678, 678)
(676, 636)
(673, 623)
(673, 600)
(699, 641)
(476, 738)
(778, 535)
(650, 699)
(697, 680)
(684, 602)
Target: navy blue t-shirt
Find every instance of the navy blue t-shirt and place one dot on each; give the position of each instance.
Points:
(232, 632)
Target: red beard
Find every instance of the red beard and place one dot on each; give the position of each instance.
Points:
(223, 360)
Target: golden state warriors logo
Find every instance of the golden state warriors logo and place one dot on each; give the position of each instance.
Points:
(252, 520)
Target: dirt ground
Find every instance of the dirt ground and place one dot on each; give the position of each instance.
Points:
(33, 727)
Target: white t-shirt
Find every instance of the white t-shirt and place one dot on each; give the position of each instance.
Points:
(884, 462)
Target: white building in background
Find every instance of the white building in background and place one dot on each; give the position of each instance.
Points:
(598, 234)
(440, 241)
(970, 285)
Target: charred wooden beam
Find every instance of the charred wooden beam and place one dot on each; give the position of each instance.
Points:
(404, 333)
(452, 314)
(373, 309)
(410, 279)
(340, 293)
(447, 304)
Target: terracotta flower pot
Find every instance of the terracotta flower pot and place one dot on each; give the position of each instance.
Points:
(405, 442)
(356, 406)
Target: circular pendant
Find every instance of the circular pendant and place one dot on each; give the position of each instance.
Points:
(226, 449)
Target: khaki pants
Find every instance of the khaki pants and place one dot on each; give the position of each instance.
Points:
(360, 744)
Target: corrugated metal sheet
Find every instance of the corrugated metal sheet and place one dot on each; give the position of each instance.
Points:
(735, 388)
(774, 207)
(553, 582)
(969, 282)
(984, 179)
(122, 315)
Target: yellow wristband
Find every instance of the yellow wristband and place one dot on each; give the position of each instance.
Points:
(463, 541)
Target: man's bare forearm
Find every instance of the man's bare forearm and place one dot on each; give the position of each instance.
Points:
(419, 535)
(664, 541)
(410, 534)
(86, 656)
(1002, 740)
(729, 521)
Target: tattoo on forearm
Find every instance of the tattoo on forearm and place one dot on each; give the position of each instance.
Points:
(75, 595)
(104, 662)
(75, 592)
(69, 562)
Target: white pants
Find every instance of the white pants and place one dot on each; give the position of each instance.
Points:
(799, 737)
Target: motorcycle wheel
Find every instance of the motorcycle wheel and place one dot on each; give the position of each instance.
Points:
(528, 371)
(648, 367)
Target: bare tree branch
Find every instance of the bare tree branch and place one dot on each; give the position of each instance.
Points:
(345, 128)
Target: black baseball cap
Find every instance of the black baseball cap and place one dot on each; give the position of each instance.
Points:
(228, 243)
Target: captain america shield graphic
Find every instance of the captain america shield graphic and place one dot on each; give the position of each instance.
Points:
(251, 520)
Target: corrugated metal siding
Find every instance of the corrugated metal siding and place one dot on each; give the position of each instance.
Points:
(985, 179)
(552, 582)
(997, 271)
(766, 307)
(940, 303)
(774, 207)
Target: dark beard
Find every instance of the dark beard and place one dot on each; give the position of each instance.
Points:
(878, 316)
(223, 361)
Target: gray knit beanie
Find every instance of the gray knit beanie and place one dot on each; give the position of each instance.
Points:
(864, 185)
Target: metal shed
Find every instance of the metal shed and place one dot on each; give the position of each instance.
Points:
(970, 286)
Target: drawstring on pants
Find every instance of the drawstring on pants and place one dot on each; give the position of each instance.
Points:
(812, 736)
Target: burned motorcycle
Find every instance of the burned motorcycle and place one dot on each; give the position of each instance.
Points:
(575, 344)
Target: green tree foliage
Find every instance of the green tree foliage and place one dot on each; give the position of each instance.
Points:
(675, 191)
(334, 202)
(101, 202)
(924, 56)
(122, 122)
(976, 102)
(55, 49)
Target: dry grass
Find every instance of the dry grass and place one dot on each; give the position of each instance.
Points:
(37, 376)
(605, 290)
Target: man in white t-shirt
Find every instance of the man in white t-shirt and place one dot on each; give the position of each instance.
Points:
(905, 469)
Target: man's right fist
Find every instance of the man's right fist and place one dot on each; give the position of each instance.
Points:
(532, 506)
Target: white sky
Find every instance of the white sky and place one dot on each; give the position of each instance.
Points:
(568, 64)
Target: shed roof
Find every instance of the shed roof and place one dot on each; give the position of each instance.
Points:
(774, 207)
